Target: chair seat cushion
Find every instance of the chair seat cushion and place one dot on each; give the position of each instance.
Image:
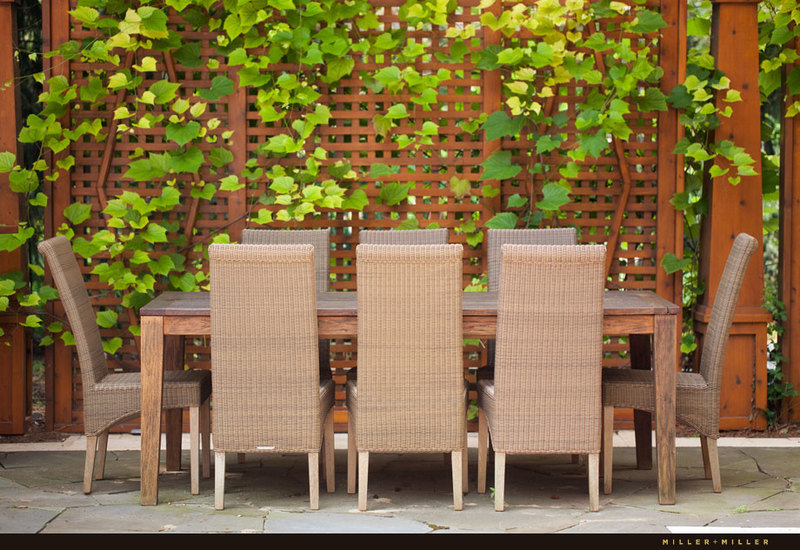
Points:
(635, 389)
(118, 396)
(182, 388)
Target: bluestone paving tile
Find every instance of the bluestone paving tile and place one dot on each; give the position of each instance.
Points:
(41, 491)
(26, 519)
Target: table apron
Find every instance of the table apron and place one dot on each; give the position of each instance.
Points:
(347, 326)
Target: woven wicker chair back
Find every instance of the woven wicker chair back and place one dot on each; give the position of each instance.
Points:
(264, 351)
(496, 238)
(68, 278)
(405, 236)
(411, 391)
(320, 238)
(719, 325)
(549, 349)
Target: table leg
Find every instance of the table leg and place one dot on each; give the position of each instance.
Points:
(642, 420)
(173, 360)
(152, 367)
(665, 364)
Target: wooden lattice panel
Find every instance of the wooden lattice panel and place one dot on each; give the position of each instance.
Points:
(350, 137)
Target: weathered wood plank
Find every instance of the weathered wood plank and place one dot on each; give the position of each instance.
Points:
(665, 362)
(152, 383)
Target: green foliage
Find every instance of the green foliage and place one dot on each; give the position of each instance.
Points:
(566, 48)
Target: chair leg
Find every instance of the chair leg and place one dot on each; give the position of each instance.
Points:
(194, 449)
(499, 481)
(483, 450)
(608, 447)
(593, 471)
(351, 456)
(88, 467)
(313, 480)
(219, 480)
(458, 483)
(102, 448)
(363, 473)
(704, 451)
(328, 440)
(713, 462)
(205, 435)
(465, 469)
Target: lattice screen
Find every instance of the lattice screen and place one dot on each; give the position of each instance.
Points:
(350, 136)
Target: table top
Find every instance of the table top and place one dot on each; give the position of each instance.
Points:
(335, 304)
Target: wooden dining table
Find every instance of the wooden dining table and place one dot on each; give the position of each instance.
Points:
(649, 320)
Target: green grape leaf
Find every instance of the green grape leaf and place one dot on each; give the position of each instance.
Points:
(220, 87)
(498, 166)
(356, 201)
(671, 263)
(499, 124)
(554, 197)
(183, 133)
(393, 193)
(107, 319)
(503, 220)
(78, 212)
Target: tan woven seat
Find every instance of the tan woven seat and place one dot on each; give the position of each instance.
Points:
(404, 236)
(411, 394)
(268, 394)
(495, 239)
(697, 398)
(545, 395)
(111, 398)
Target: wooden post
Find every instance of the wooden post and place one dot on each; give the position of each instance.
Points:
(733, 209)
(789, 259)
(58, 357)
(669, 225)
(492, 101)
(237, 122)
(15, 372)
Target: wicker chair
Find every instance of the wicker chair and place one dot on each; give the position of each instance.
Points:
(411, 394)
(405, 236)
(697, 400)
(495, 239)
(268, 395)
(545, 396)
(320, 239)
(111, 398)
